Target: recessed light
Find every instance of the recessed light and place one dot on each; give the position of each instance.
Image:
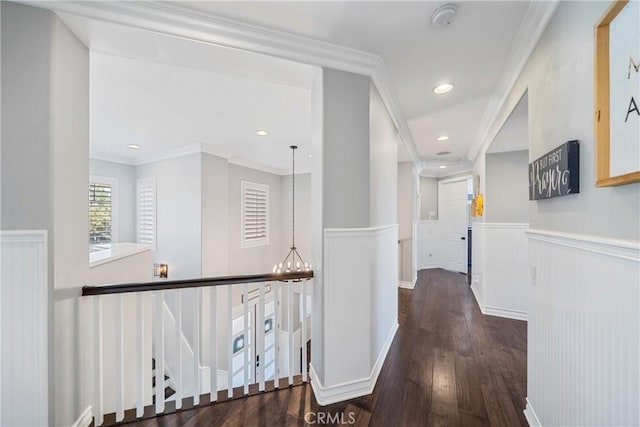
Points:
(262, 132)
(442, 166)
(133, 146)
(442, 88)
(310, 155)
(442, 138)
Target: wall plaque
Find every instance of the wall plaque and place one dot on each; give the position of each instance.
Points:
(557, 173)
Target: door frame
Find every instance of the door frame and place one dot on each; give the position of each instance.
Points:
(442, 234)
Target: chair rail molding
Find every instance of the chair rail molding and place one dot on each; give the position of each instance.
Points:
(583, 331)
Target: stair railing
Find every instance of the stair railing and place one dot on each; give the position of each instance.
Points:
(186, 329)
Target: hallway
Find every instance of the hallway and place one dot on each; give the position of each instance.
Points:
(448, 365)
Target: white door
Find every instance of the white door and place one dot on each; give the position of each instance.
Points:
(239, 341)
(455, 224)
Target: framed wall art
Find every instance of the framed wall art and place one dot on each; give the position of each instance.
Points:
(617, 94)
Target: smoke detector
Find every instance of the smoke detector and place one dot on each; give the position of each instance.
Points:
(443, 15)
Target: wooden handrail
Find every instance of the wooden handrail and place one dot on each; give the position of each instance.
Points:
(194, 283)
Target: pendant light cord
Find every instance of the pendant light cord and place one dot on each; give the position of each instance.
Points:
(293, 196)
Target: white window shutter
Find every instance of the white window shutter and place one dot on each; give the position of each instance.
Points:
(146, 209)
(255, 214)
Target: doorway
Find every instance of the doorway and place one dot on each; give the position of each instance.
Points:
(454, 213)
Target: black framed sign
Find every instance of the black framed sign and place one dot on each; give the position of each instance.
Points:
(557, 173)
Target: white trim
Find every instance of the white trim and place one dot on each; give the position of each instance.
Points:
(352, 389)
(430, 267)
(506, 225)
(260, 167)
(262, 241)
(625, 249)
(85, 419)
(504, 312)
(531, 416)
(359, 232)
(477, 296)
(496, 311)
(535, 21)
(23, 236)
(406, 285)
(113, 182)
(183, 22)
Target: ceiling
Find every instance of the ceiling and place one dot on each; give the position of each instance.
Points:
(514, 134)
(171, 96)
(472, 53)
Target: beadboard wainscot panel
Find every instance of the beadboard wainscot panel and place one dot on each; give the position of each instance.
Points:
(478, 262)
(24, 310)
(506, 270)
(583, 331)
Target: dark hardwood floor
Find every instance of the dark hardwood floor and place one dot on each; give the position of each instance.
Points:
(448, 365)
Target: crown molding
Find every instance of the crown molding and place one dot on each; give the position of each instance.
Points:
(381, 81)
(535, 21)
(175, 20)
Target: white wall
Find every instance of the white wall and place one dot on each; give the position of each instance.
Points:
(179, 213)
(428, 198)
(126, 197)
(303, 215)
(25, 117)
(507, 187)
(259, 259)
(563, 342)
(215, 216)
(383, 172)
(346, 176)
(405, 217)
(69, 117)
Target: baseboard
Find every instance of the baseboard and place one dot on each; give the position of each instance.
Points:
(429, 266)
(531, 416)
(406, 285)
(352, 389)
(504, 312)
(478, 299)
(496, 311)
(85, 418)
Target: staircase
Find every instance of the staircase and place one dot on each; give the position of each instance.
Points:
(168, 391)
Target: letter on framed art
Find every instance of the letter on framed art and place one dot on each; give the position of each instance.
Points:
(617, 94)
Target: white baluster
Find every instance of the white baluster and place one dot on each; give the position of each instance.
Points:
(213, 362)
(276, 331)
(98, 402)
(303, 331)
(196, 347)
(160, 384)
(140, 357)
(230, 343)
(119, 357)
(260, 337)
(245, 293)
(178, 341)
(290, 321)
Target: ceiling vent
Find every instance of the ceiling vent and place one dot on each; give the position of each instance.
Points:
(443, 153)
(443, 15)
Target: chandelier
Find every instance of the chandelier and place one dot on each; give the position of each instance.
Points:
(293, 262)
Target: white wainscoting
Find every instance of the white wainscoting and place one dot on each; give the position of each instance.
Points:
(360, 301)
(477, 262)
(429, 252)
(583, 331)
(500, 269)
(24, 318)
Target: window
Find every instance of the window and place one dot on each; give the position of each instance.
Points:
(102, 210)
(255, 214)
(146, 212)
